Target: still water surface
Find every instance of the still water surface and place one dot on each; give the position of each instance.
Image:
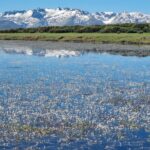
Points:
(70, 100)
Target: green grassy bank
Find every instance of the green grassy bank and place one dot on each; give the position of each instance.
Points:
(129, 38)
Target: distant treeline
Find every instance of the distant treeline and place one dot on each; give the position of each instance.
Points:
(117, 28)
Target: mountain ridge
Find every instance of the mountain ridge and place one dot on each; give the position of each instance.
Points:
(67, 17)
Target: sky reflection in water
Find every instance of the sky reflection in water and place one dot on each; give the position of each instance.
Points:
(94, 101)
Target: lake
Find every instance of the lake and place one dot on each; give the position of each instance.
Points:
(74, 96)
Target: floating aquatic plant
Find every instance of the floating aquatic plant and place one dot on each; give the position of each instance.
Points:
(74, 101)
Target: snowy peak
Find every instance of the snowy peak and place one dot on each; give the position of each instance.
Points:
(67, 17)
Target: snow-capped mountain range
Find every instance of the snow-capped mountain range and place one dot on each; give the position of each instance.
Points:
(68, 17)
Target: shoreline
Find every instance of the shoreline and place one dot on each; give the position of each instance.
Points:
(97, 38)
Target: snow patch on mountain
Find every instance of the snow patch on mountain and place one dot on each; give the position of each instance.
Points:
(67, 17)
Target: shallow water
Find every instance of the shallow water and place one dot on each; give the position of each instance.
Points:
(73, 100)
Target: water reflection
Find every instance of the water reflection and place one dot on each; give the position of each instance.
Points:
(45, 53)
(71, 49)
(85, 102)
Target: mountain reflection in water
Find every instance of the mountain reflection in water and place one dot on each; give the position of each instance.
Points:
(63, 49)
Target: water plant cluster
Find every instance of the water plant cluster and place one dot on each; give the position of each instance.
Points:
(75, 102)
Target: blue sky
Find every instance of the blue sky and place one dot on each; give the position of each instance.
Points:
(89, 5)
